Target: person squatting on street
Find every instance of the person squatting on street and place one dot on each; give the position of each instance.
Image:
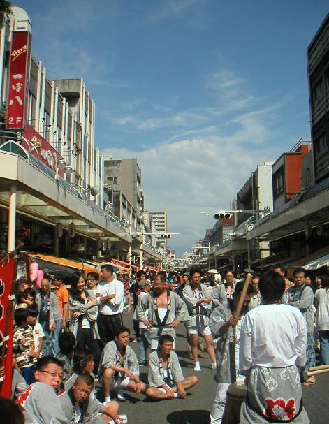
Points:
(79, 407)
(119, 368)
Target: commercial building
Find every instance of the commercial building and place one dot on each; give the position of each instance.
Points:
(51, 177)
(159, 221)
(318, 76)
(288, 224)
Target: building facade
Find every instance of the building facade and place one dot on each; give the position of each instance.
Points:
(51, 178)
(318, 76)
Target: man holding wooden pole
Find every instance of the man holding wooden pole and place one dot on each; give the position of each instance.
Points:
(225, 323)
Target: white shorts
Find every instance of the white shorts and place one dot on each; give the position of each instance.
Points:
(203, 331)
(163, 390)
(120, 383)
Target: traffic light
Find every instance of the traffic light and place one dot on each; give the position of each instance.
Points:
(222, 215)
(164, 236)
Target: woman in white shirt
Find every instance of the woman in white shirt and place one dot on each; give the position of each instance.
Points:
(322, 315)
(272, 348)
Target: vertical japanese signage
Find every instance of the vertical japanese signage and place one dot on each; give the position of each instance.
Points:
(19, 71)
(6, 326)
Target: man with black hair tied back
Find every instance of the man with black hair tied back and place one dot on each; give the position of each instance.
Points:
(165, 376)
(225, 325)
(272, 348)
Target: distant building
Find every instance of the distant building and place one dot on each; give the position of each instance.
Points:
(287, 174)
(159, 221)
(123, 186)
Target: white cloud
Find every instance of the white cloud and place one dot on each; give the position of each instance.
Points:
(211, 140)
(170, 9)
(206, 153)
(192, 175)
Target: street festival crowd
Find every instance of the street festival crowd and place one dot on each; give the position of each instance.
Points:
(73, 361)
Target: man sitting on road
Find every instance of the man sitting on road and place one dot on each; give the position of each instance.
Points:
(165, 376)
(79, 407)
(39, 401)
(119, 367)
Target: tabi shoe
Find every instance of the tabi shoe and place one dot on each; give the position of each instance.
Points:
(197, 366)
(121, 397)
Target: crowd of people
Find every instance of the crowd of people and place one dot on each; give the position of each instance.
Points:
(263, 335)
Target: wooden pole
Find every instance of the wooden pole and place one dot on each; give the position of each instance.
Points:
(243, 293)
(309, 374)
(319, 367)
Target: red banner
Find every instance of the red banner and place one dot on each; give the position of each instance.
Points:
(34, 143)
(6, 326)
(19, 72)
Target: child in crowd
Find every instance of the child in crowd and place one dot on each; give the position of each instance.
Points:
(25, 298)
(83, 362)
(67, 344)
(23, 344)
(38, 333)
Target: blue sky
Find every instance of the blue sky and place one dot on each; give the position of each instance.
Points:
(199, 91)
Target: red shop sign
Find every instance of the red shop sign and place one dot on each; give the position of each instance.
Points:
(19, 72)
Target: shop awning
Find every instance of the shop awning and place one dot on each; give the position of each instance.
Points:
(313, 259)
(122, 264)
(51, 269)
(318, 263)
(61, 266)
(268, 261)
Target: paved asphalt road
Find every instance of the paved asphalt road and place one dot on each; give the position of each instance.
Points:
(194, 409)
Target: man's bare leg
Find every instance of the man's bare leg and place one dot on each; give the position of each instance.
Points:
(211, 349)
(107, 382)
(194, 339)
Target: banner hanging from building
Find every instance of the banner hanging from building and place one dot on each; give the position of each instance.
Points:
(19, 73)
(6, 327)
(37, 146)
